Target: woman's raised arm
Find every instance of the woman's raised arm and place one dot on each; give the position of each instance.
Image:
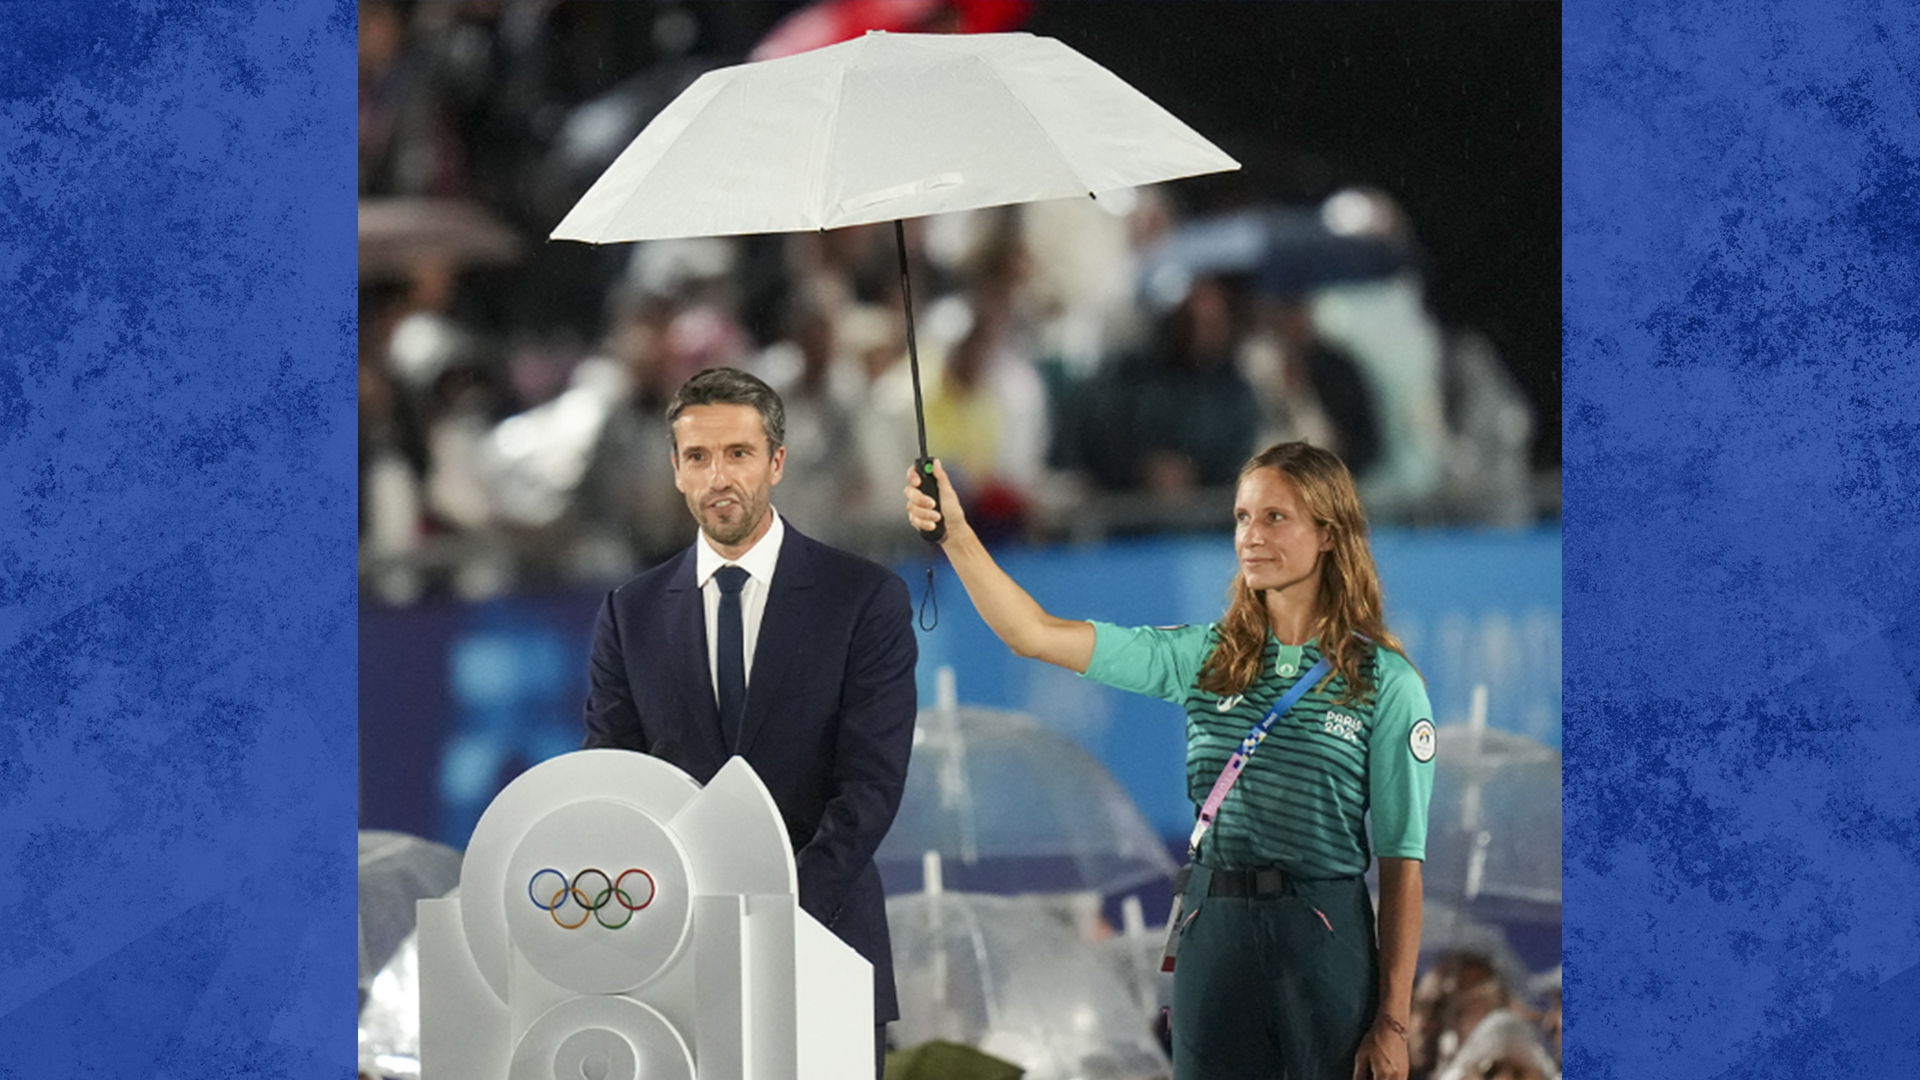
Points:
(1016, 617)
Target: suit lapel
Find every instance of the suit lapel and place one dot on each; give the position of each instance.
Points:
(782, 633)
(687, 653)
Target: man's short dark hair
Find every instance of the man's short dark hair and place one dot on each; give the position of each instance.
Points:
(731, 386)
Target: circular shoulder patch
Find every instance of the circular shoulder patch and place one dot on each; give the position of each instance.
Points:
(1420, 741)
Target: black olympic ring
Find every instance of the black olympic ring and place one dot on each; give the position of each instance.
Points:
(609, 889)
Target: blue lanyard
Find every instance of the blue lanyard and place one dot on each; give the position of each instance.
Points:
(1231, 774)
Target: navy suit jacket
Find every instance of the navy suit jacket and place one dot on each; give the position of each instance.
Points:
(829, 714)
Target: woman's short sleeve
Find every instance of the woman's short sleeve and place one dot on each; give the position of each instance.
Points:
(1159, 661)
(1400, 749)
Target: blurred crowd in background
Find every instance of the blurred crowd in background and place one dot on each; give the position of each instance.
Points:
(1089, 369)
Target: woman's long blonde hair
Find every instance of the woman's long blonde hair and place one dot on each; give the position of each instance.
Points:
(1349, 599)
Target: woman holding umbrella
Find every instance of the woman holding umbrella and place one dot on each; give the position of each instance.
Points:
(1280, 972)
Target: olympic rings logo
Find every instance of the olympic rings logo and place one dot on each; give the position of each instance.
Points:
(593, 899)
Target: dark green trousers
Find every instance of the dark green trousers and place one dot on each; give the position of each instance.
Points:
(1277, 987)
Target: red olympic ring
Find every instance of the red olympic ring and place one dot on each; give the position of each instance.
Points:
(652, 889)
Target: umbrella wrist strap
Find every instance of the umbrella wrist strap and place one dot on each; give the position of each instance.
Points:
(1231, 774)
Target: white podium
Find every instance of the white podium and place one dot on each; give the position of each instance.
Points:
(616, 921)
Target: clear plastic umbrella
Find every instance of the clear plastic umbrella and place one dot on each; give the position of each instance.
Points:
(396, 869)
(1494, 822)
(390, 1020)
(1008, 976)
(1138, 951)
(399, 234)
(1011, 807)
(1285, 250)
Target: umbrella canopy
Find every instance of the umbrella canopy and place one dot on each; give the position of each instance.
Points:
(1494, 821)
(1008, 976)
(1011, 806)
(390, 1019)
(884, 127)
(398, 235)
(1286, 251)
(395, 870)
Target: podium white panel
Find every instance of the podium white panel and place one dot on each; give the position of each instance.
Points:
(648, 784)
(734, 817)
(773, 979)
(601, 1038)
(617, 922)
(720, 981)
(461, 1019)
(834, 1012)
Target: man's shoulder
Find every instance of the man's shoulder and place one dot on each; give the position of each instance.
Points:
(654, 580)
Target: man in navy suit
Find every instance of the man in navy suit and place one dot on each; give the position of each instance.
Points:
(761, 642)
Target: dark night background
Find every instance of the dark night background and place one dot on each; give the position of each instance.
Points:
(1453, 109)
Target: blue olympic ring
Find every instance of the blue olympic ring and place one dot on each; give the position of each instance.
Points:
(591, 906)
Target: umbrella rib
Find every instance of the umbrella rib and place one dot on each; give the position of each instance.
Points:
(833, 132)
(1051, 141)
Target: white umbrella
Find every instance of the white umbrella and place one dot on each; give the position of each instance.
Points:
(886, 127)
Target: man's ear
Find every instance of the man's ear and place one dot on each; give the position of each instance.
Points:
(779, 463)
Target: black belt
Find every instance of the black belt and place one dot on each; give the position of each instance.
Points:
(1250, 883)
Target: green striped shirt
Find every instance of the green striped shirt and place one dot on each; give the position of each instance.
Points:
(1303, 800)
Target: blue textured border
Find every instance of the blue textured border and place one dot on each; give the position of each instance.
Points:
(177, 508)
(1742, 553)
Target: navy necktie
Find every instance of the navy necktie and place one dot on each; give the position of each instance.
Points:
(731, 655)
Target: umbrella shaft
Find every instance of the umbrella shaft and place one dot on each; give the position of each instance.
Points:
(913, 349)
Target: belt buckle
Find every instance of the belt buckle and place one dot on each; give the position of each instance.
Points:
(1269, 882)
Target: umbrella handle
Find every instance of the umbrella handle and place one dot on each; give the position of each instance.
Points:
(930, 487)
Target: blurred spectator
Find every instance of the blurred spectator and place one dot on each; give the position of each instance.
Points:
(1311, 389)
(1176, 414)
(986, 405)
(824, 482)
(1548, 987)
(1082, 256)
(1461, 989)
(1503, 1046)
(428, 398)
(632, 510)
(874, 339)
(403, 137)
(1488, 477)
(1384, 325)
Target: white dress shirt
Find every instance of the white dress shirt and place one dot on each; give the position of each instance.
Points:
(758, 562)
